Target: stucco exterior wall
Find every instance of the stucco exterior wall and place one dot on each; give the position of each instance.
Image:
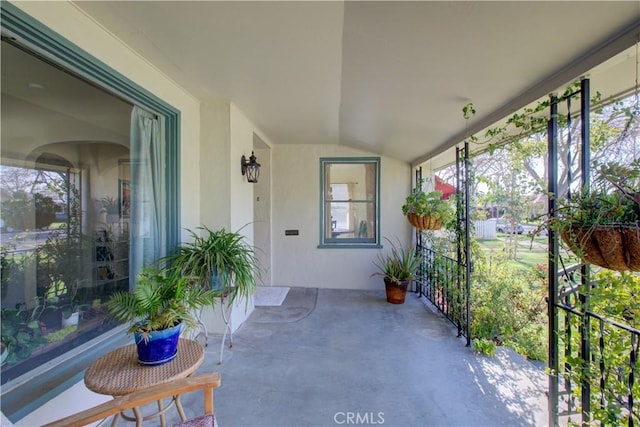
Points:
(215, 174)
(297, 260)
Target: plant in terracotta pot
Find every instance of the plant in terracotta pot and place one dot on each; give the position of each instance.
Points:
(427, 210)
(162, 301)
(398, 268)
(602, 226)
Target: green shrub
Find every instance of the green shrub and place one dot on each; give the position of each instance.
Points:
(484, 346)
(508, 308)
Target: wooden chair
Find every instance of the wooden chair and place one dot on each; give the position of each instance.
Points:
(205, 382)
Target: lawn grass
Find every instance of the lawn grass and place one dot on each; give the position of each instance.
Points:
(528, 253)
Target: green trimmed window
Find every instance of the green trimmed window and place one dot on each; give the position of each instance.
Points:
(349, 202)
(76, 214)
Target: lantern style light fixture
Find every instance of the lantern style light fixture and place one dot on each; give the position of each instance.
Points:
(250, 168)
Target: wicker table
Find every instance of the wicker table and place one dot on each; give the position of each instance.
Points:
(118, 373)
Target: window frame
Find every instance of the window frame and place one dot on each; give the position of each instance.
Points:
(349, 243)
(36, 387)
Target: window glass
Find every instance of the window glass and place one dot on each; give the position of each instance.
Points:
(65, 213)
(349, 205)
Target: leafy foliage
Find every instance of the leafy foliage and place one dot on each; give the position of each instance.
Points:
(484, 346)
(23, 211)
(400, 265)
(508, 308)
(614, 345)
(428, 204)
(160, 299)
(221, 254)
(111, 204)
(20, 332)
(614, 199)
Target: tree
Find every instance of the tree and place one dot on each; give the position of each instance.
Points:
(23, 211)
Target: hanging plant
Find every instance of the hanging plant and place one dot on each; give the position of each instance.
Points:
(602, 226)
(427, 210)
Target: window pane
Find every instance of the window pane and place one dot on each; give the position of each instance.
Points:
(64, 218)
(350, 201)
(352, 220)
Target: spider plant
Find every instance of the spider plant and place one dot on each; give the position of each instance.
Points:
(221, 258)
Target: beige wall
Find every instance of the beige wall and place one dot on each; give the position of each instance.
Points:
(262, 214)
(297, 260)
(216, 174)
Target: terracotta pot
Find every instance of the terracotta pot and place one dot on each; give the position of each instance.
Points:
(396, 293)
(424, 222)
(616, 247)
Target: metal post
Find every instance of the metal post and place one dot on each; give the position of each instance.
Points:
(467, 249)
(552, 299)
(420, 244)
(585, 352)
(459, 220)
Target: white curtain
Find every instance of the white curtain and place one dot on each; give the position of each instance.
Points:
(148, 201)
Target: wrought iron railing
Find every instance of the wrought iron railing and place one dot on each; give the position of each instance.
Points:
(603, 384)
(441, 280)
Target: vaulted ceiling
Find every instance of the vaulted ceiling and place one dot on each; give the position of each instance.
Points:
(390, 77)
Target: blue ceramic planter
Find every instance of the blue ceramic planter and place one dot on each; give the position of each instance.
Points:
(160, 348)
(217, 279)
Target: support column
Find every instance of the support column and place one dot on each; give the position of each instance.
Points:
(585, 167)
(552, 298)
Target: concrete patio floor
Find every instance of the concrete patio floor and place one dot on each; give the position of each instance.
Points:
(341, 357)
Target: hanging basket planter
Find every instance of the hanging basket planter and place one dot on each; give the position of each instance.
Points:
(424, 222)
(616, 247)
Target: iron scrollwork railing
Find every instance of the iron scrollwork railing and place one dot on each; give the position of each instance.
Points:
(438, 280)
(446, 281)
(608, 375)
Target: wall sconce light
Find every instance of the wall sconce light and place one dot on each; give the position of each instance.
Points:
(250, 167)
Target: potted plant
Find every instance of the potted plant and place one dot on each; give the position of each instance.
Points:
(112, 207)
(72, 309)
(398, 269)
(20, 332)
(602, 226)
(427, 211)
(220, 260)
(162, 301)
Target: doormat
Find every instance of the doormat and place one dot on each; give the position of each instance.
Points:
(270, 296)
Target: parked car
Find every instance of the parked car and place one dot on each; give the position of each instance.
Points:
(506, 227)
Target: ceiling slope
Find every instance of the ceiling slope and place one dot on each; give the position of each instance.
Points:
(390, 77)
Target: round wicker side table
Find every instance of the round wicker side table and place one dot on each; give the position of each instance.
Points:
(118, 373)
